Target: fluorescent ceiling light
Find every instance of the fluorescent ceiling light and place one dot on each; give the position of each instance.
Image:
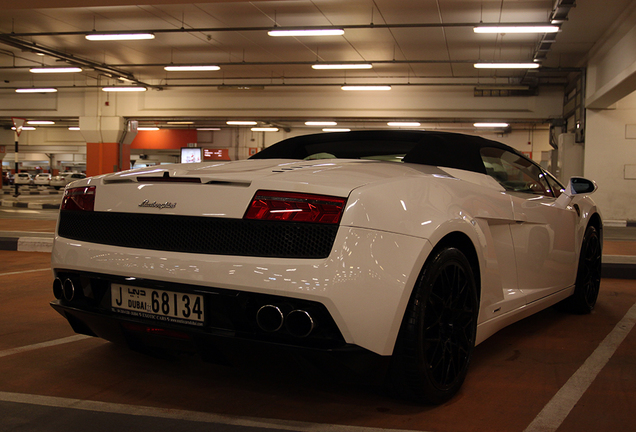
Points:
(336, 130)
(36, 90)
(321, 123)
(403, 124)
(516, 29)
(507, 65)
(316, 32)
(124, 89)
(40, 122)
(119, 36)
(264, 129)
(491, 125)
(27, 128)
(365, 88)
(192, 68)
(76, 128)
(342, 66)
(55, 70)
(208, 129)
(502, 87)
(241, 123)
(147, 128)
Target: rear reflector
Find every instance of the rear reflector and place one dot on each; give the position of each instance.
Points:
(81, 198)
(295, 207)
(155, 330)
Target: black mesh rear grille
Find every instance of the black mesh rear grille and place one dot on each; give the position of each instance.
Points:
(204, 235)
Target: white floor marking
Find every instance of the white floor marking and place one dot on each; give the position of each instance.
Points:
(174, 414)
(556, 411)
(55, 342)
(25, 271)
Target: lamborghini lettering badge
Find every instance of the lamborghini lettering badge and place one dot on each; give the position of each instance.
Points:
(160, 206)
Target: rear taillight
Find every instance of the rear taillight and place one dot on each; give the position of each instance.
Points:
(295, 207)
(81, 198)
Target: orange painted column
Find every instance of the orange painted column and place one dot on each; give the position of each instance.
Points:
(103, 158)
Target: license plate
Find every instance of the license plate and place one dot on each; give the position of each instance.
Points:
(168, 306)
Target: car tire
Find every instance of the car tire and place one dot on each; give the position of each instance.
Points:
(437, 335)
(588, 276)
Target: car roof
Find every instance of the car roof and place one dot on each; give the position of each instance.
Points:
(444, 149)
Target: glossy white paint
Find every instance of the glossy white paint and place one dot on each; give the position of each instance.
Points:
(365, 292)
(527, 247)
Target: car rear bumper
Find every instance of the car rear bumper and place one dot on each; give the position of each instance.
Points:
(220, 347)
(364, 283)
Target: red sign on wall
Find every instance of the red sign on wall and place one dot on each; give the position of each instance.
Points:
(216, 154)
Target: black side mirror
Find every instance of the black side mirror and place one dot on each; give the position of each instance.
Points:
(580, 185)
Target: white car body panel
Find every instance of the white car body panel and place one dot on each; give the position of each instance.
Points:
(42, 179)
(23, 179)
(366, 293)
(366, 317)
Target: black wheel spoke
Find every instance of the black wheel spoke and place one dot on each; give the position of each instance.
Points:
(588, 278)
(450, 313)
(592, 268)
(438, 333)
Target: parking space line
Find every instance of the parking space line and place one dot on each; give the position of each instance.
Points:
(36, 346)
(25, 271)
(174, 414)
(558, 408)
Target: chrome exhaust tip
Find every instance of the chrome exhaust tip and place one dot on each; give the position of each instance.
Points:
(58, 288)
(270, 318)
(68, 289)
(299, 323)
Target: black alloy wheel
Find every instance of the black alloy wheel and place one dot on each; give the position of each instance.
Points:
(437, 336)
(588, 277)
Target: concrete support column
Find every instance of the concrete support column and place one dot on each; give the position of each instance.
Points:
(107, 143)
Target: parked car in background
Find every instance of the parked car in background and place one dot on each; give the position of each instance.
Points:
(62, 179)
(42, 179)
(23, 179)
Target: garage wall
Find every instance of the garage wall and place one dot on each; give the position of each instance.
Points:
(443, 102)
(402, 102)
(611, 68)
(610, 158)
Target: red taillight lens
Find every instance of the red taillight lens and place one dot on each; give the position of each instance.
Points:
(295, 207)
(81, 198)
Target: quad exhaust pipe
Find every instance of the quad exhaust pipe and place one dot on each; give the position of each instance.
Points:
(64, 289)
(270, 318)
(297, 322)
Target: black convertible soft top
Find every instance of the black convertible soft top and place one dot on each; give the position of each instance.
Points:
(443, 149)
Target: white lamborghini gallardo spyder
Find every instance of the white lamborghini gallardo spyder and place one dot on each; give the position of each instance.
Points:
(408, 245)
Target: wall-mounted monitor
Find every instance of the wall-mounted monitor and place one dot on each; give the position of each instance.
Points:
(191, 154)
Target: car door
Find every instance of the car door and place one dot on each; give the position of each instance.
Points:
(543, 234)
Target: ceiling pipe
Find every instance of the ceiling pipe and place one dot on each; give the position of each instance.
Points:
(245, 29)
(72, 59)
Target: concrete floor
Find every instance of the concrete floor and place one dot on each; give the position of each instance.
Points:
(551, 371)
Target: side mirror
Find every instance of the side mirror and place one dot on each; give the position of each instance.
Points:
(576, 186)
(580, 185)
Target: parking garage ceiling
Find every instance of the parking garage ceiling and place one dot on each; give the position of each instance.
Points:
(402, 42)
